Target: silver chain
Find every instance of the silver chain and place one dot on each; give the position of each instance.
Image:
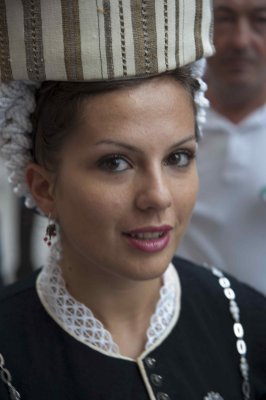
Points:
(238, 330)
(7, 379)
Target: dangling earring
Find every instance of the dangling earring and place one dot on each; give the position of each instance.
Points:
(50, 231)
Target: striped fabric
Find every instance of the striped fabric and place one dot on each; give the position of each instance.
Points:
(101, 39)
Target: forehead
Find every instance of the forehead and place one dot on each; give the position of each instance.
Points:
(152, 115)
(153, 99)
(240, 5)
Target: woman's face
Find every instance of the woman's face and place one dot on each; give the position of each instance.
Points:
(127, 181)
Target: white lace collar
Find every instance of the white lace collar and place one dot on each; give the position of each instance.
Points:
(78, 320)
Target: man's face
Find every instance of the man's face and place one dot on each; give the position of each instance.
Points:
(240, 41)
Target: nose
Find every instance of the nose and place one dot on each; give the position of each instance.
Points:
(154, 192)
(242, 34)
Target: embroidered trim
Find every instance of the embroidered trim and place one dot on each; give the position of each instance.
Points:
(146, 36)
(165, 310)
(166, 33)
(33, 40)
(123, 40)
(78, 320)
(5, 66)
(237, 328)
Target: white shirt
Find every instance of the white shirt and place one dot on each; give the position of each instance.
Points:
(228, 226)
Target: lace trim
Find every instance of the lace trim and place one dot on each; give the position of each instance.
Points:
(78, 320)
(165, 308)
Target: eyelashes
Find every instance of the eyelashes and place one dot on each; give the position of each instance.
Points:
(116, 163)
(180, 158)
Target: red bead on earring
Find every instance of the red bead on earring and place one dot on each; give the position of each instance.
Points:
(50, 232)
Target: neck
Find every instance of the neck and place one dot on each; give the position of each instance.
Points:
(235, 104)
(123, 306)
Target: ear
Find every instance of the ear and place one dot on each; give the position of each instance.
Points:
(41, 185)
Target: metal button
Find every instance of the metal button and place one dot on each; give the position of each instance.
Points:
(229, 293)
(244, 367)
(162, 396)
(216, 271)
(234, 309)
(156, 379)
(241, 346)
(238, 330)
(224, 282)
(150, 362)
(246, 389)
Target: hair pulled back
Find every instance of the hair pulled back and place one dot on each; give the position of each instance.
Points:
(59, 105)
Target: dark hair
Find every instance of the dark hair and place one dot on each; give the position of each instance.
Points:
(58, 105)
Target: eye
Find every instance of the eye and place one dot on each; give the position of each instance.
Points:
(259, 20)
(181, 158)
(114, 163)
(224, 19)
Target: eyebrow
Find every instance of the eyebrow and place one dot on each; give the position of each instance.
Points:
(259, 9)
(227, 9)
(136, 149)
(223, 9)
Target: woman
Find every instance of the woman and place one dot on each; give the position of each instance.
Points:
(113, 167)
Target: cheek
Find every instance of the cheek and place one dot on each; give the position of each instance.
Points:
(262, 46)
(186, 195)
(88, 205)
(221, 41)
(192, 196)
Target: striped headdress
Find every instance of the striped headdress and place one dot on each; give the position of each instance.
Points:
(80, 40)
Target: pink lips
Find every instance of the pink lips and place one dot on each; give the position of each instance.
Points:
(149, 239)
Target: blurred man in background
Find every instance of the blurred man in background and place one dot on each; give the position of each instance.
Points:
(228, 227)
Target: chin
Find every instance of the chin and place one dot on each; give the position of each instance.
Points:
(148, 267)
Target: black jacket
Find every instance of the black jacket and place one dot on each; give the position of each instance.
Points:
(198, 357)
